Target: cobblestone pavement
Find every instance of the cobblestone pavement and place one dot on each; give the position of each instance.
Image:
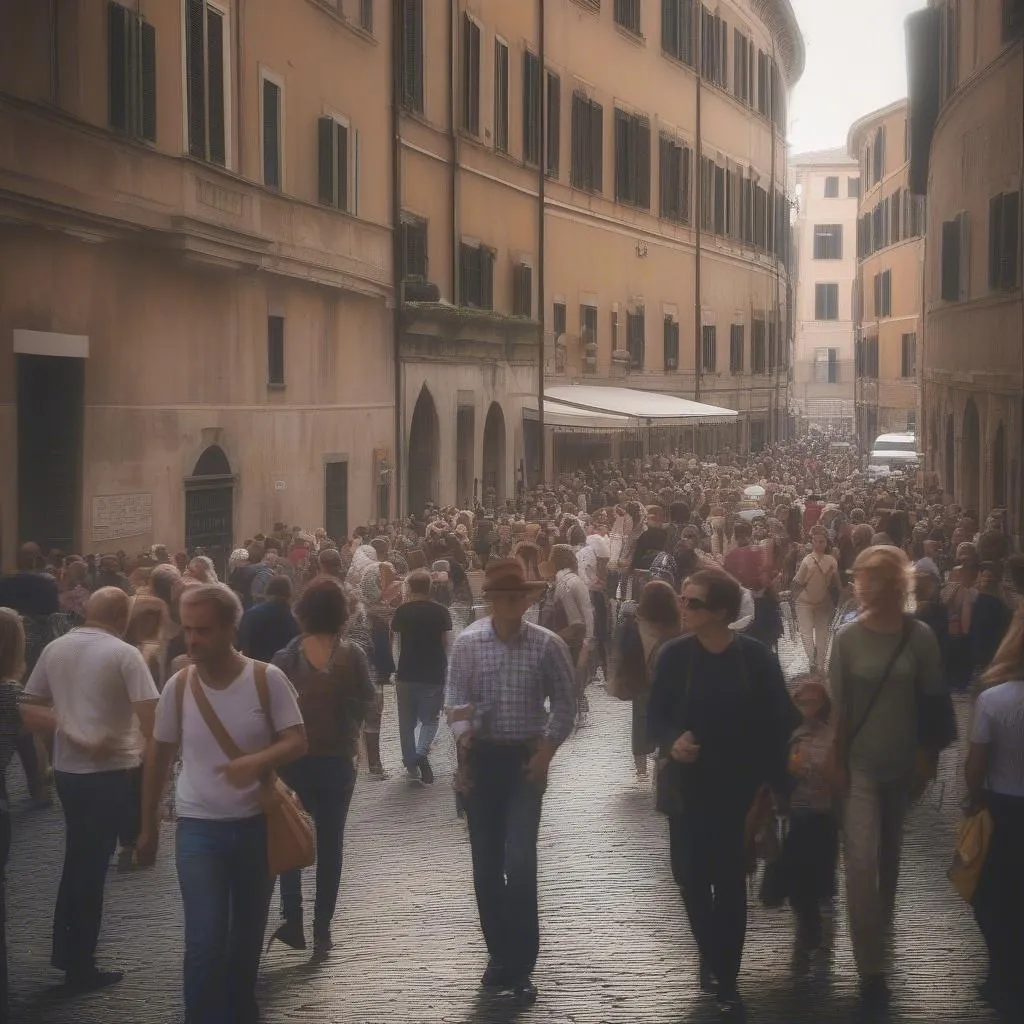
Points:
(615, 946)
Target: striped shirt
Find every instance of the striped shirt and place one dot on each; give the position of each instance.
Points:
(510, 683)
(999, 725)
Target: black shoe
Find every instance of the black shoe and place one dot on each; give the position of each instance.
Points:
(525, 991)
(730, 1006)
(496, 976)
(426, 772)
(290, 934)
(322, 944)
(708, 982)
(874, 992)
(90, 981)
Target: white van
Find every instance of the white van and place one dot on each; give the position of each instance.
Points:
(890, 452)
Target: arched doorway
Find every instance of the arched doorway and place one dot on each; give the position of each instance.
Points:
(424, 454)
(210, 507)
(494, 457)
(999, 469)
(971, 458)
(949, 476)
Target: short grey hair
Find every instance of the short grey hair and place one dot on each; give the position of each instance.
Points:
(224, 599)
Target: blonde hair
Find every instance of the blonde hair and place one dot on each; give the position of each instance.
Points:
(146, 621)
(1008, 662)
(12, 646)
(883, 577)
(222, 598)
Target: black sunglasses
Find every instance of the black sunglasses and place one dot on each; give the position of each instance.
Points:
(698, 604)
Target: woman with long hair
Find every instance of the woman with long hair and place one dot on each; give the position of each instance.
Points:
(995, 780)
(816, 584)
(958, 596)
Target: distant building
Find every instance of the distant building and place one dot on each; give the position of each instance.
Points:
(827, 187)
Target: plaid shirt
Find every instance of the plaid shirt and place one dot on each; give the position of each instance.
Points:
(508, 683)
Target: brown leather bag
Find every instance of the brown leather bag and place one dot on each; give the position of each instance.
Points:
(291, 840)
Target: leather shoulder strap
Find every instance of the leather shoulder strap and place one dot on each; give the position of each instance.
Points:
(259, 674)
(213, 723)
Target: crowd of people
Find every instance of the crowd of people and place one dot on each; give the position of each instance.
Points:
(166, 686)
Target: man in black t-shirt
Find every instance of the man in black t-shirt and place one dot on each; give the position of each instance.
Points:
(424, 630)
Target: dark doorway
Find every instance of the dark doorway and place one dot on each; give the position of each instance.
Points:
(210, 507)
(465, 424)
(424, 442)
(50, 396)
(999, 469)
(757, 435)
(494, 457)
(971, 458)
(949, 483)
(336, 501)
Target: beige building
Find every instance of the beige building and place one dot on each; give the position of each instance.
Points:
(890, 266)
(827, 189)
(966, 65)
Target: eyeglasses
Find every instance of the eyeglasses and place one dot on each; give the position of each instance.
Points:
(698, 604)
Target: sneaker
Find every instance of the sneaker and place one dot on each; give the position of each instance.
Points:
(525, 991)
(426, 772)
(91, 981)
(730, 1006)
(413, 773)
(377, 772)
(495, 975)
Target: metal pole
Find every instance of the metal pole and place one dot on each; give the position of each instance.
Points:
(541, 199)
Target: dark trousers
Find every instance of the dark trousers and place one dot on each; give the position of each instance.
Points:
(325, 786)
(708, 864)
(811, 853)
(25, 745)
(131, 814)
(92, 806)
(602, 629)
(504, 811)
(5, 849)
(999, 898)
(639, 740)
(225, 891)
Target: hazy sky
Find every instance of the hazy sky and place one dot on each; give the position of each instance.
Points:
(856, 63)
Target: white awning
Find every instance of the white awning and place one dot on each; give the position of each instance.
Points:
(638, 405)
(568, 418)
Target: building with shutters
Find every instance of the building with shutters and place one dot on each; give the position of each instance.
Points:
(890, 275)
(195, 271)
(966, 75)
(826, 185)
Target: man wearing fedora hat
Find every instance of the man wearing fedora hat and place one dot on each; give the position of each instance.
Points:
(501, 673)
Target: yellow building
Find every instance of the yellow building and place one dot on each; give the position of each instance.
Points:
(890, 267)
(966, 71)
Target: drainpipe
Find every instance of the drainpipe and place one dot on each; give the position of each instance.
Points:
(698, 192)
(1020, 412)
(454, 150)
(541, 238)
(239, 12)
(396, 252)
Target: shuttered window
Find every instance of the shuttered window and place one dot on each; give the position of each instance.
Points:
(908, 355)
(275, 351)
(271, 134)
(757, 358)
(558, 318)
(832, 187)
(853, 188)
(476, 276)
(828, 241)
(366, 15)
(743, 68)
(674, 159)
(826, 302)
(671, 344)
(333, 163)
(632, 159)
(953, 242)
(720, 200)
(588, 325)
(737, 344)
(411, 76)
(707, 194)
(554, 126)
(636, 338)
(204, 71)
(883, 294)
(131, 81)
(531, 108)
(1004, 242)
(714, 49)
(587, 143)
(414, 248)
(709, 349)
(627, 14)
(764, 84)
(522, 290)
(500, 96)
(677, 29)
(1013, 20)
(470, 75)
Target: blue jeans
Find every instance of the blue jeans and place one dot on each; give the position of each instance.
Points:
(418, 704)
(504, 810)
(325, 786)
(225, 888)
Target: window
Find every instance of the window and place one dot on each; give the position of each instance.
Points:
(826, 366)
(1013, 20)
(204, 73)
(531, 108)
(131, 83)
(470, 75)
(333, 163)
(671, 343)
(908, 355)
(1004, 242)
(275, 351)
(828, 241)
(522, 290)
(271, 133)
(636, 339)
(737, 343)
(411, 75)
(366, 15)
(866, 358)
(587, 143)
(707, 194)
(826, 302)
(476, 276)
(708, 349)
(714, 49)
(949, 66)
(853, 188)
(743, 67)
(883, 294)
(760, 217)
(627, 14)
(677, 29)
(832, 187)
(674, 179)
(878, 170)
(632, 159)
(764, 84)
(558, 318)
(896, 216)
(500, 96)
(414, 248)
(954, 287)
(720, 207)
(757, 357)
(554, 125)
(773, 351)
(588, 325)
(336, 499)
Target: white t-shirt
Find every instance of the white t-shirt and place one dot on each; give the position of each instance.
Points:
(999, 723)
(93, 679)
(203, 791)
(601, 545)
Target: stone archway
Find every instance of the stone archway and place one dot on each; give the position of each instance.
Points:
(209, 507)
(949, 450)
(424, 453)
(494, 456)
(970, 488)
(999, 468)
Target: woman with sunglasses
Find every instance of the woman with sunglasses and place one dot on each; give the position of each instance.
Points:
(721, 718)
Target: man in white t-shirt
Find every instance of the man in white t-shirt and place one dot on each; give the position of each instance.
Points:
(221, 846)
(97, 693)
(593, 559)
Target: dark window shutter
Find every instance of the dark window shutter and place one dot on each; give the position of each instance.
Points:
(271, 135)
(215, 83)
(325, 160)
(578, 157)
(951, 261)
(622, 190)
(412, 54)
(147, 81)
(596, 146)
(195, 71)
(486, 258)
(1010, 256)
(118, 29)
(532, 80)
(995, 242)
(643, 164)
(341, 164)
(670, 27)
(275, 349)
(554, 125)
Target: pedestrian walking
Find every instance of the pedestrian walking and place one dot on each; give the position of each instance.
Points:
(97, 693)
(221, 839)
(503, 672)
(721, 719)
(817, 587)
(268, 627)
(424, 632)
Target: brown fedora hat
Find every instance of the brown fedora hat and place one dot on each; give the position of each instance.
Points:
(506, 576)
